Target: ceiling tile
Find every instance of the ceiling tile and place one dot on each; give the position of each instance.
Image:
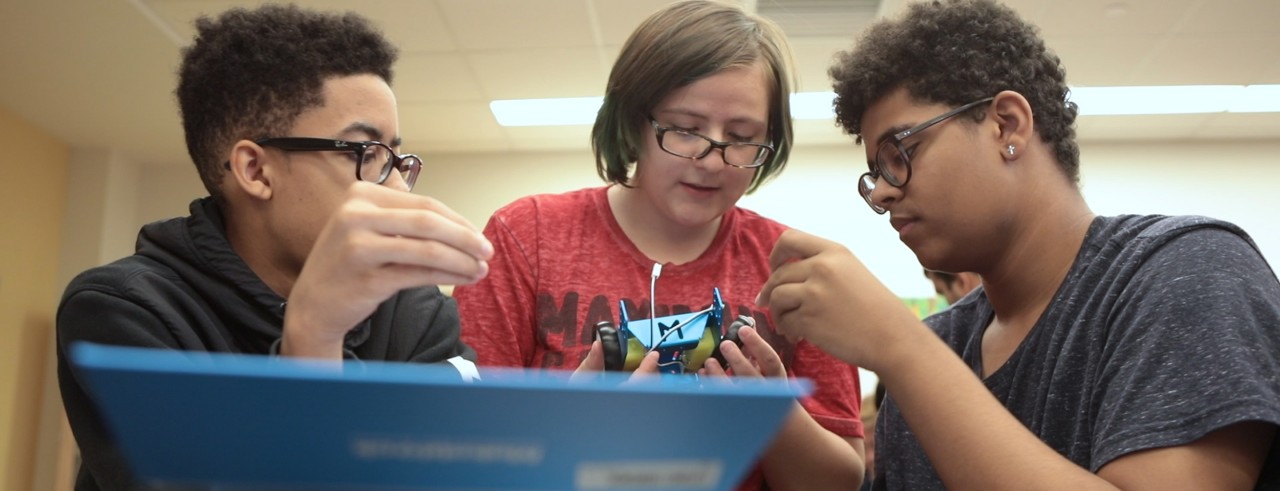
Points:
(435, 77)
(1196, 59)
(813, 57)
(1236, 17)
(507, 24)
(552, 72)
(1125, 53)
(1094, 17)
(617, 18)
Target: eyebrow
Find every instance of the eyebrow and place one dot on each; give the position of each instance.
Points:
(692, 114)
(371, 130)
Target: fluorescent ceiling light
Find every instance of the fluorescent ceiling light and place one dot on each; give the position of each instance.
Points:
(1093, 101)
(546, 112)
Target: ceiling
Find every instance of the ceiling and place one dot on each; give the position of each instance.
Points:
(100, 73)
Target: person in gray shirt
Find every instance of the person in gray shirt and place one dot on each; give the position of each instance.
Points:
(1130, 352)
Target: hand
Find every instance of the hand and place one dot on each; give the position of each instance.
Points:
(821, 293)
(594, 362)
(379, 241)
(758, 360)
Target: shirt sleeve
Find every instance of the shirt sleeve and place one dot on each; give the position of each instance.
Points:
(103, 316)
(498, 312)
(1192, 346)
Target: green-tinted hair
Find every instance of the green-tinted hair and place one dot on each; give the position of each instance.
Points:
(675, 47)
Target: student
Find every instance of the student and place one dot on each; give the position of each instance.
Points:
(694, 116)
(309, 244)
(1129, 352)
(953, 286)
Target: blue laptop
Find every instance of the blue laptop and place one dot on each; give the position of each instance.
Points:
(245, 422)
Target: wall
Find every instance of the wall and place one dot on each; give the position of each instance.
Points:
(818, 192)
(32, 191)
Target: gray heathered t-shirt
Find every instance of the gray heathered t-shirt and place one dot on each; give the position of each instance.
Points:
(1165, 329)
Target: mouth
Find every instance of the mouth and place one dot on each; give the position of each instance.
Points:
(700, 187)
(901, 223)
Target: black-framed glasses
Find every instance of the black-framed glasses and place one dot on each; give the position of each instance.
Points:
(893, 159)
(690, 145)
(374, 160)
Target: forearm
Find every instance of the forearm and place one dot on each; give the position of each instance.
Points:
(971, 439)
(805, 456)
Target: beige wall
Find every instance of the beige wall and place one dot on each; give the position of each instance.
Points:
(817, 192)
(32, 193)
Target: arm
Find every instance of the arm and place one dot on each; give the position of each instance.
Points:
(804, 455)
(498, 312)
(816, 283)
(101, 314)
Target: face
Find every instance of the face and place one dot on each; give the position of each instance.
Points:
(729, 106)
(953, 201)
(307, 187)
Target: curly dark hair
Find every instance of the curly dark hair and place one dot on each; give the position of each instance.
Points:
(955, 52)
(250, 73)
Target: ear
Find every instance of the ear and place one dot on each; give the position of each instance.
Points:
(968, 281)
(248, 169)
(1012, 115)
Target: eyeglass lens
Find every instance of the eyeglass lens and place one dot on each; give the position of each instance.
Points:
(690, 145)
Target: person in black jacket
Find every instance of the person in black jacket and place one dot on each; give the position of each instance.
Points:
(309, 243)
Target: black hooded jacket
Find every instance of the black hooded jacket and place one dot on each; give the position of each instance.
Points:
(186, 289)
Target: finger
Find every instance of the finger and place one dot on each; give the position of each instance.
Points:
(784, 298)
(594, 362)
(765, 357)
(648, 365)
(595, 358)
(738, 361)
(387, 251)
(712, 368)
(386, 197)
(794, 272)
(794, 245)
(417, 224)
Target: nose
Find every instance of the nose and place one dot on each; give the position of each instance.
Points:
(396, 181)
(885, 194)
(711, 161)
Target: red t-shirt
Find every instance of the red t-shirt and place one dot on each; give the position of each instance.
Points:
(562, 264)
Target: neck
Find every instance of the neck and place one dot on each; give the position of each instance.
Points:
(246, 237)
(1033, 264)
(658, 237)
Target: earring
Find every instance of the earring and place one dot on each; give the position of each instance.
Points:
(1011, 150)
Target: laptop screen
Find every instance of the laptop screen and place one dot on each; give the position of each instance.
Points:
(256, 422)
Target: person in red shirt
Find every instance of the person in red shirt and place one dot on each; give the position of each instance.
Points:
(695, 115)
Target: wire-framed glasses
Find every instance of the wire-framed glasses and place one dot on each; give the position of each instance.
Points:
(893, 159)
(690, 145)
(374, 160)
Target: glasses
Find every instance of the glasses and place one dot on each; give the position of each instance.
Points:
(893, 160)
(690, 145)
(374, 160)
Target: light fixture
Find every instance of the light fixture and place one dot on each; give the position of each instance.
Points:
(1093, 101)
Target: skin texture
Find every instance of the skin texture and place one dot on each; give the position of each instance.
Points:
(1034, 220)
(333, 246)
